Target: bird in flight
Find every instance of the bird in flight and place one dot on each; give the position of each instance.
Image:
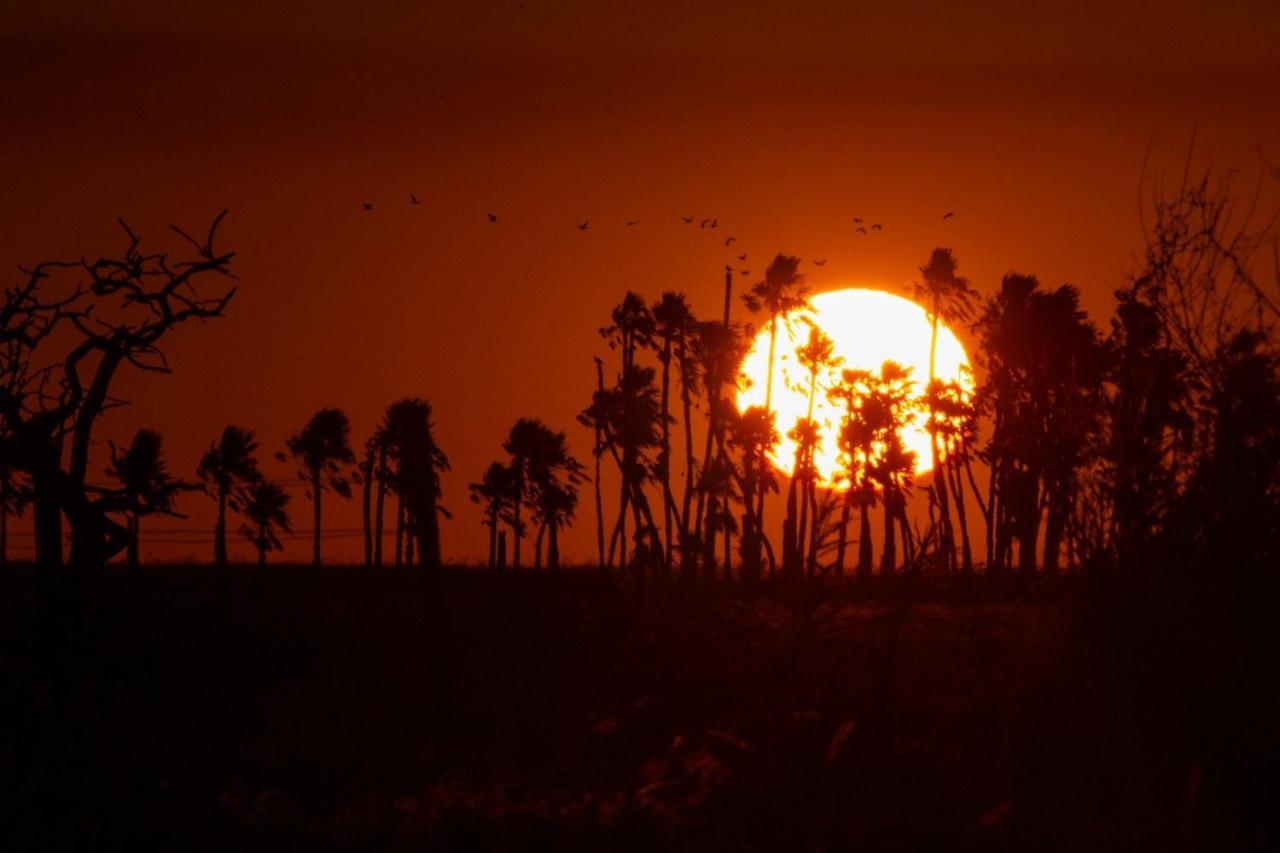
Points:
(857, 220)
(631, 222)
(493, 217)
(729, 241)
(413, 199)
(709, 223)
(744, 272)
(862, 230)
(948, 215)
(368, 205)
(819, 262)
(584, 225)
(742, 257)
(687, 220)
(877, 227)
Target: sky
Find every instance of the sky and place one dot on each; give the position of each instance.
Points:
(1034, 123)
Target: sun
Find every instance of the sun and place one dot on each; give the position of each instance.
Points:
(868, 327)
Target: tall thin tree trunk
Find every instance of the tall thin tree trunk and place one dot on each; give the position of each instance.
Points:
(315, 534)
(220, 530)
(889, 552)
(366, 507)
(864, 539)
(382, 494)
(842, 537)
(946, 539)
(668, 500)
(599, 451)
(553, 546)
(132, 554)
(399, 530)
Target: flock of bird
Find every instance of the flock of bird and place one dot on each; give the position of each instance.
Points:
(709, 223)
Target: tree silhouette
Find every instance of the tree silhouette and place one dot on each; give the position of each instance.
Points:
(264, 506)
(323, 450)
(411, 445)
(628, 416)
(674, 325)
(781, 293)
(889, 408)
(146, 486)
(544, 477)
(856, 439)
(817, 357)
(228, 464)
(1045, 369)
(63, 347)
(754, 436)
(947, 297)
(496, 493)
(718, 348)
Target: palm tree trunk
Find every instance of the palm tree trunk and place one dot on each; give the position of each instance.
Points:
(537, 547)
(516, 530)
(220, 530)
(315, 534)
(842, 537)
(889, 553)
(553, 546)
(668, 502)
(686, 403)
(946, 539)
(599, 451)
(366, 507)
(133, 542)
(410, 535)
(262, 547)
(382, 494)
(864, 539)
(399, 530)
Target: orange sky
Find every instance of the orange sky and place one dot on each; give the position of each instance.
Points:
(1031, 124)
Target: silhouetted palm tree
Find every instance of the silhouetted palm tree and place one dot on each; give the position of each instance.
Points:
(323, 448)
(146, 487)
(545, 477)
(228, 464)
(947, 297)
(496, 493)
(674, 323)
(265, 508)
(817, 357)
(888, 409)
(410, 436)
(1045, 369)
(753, 435)
(781, 293)
(856, 439)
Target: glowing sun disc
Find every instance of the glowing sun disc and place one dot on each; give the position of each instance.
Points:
(868, 328)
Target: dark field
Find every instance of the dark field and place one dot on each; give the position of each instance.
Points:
(350, 710)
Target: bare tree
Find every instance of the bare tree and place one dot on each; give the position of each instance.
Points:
(61, 348)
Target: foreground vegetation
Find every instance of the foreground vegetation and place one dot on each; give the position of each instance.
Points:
(341, 709)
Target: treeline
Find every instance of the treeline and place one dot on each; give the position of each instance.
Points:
(1156, 437)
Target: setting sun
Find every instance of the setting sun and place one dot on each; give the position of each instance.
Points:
(867, 327)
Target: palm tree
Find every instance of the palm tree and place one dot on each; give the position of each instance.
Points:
(782, 293)
(146, 487)
(948, 297)
(545, 477)
(888, 410)
(410, 436)
(817, 356)
(323, 448)
(265, 507)
(856, 439)
(754, 435)
(228, 464)
(673, 325)
(496, 494)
